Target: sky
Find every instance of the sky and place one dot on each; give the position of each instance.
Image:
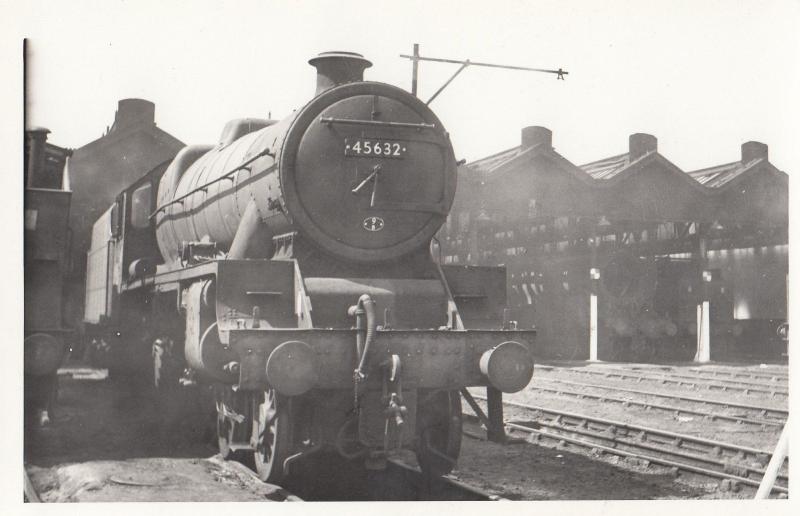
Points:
(702, 76)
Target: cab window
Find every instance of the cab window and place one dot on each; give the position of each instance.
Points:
(141, 208)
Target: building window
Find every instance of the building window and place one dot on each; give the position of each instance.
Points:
(463, 221)
(30, 219)
(533, 210)
(561, 224)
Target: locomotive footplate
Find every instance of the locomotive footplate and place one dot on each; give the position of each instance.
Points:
(432, 359)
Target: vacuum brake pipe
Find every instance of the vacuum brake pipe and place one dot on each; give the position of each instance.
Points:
(365, 306)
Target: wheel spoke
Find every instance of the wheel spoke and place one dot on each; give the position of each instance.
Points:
(273, 438)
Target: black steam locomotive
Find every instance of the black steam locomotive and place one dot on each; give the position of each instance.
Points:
(290, 267)
(47, 243)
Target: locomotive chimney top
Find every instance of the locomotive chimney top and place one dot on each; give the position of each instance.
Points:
(335, 68)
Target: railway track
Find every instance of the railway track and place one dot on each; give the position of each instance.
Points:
(774, 376)
(753, 411)
(761, 423)
(767, 384)
(326, 477)
(715, 459)
(439, 488)
(663, 379)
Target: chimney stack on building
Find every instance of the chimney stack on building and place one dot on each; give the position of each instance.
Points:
(535, 135)
(36, 138)
(640, 144)
(133, 112)
(754, 150)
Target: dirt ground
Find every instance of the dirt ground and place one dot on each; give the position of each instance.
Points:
(107, 443)
(526, 472)
(152, 480)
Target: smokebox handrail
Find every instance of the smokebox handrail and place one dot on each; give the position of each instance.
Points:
(380, 123)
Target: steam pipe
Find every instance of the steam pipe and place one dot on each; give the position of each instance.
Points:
(246, 243)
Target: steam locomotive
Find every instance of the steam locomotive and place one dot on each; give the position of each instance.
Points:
(290, 268)
(47, 243)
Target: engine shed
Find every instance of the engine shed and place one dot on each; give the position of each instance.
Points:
(631, 257)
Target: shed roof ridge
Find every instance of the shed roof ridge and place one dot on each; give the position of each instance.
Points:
(603, 160)
(491, 156)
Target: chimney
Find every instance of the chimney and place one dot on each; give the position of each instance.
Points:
(534, 135)
(132, 112)
(335, 68)
(640, 144)
(754, 150)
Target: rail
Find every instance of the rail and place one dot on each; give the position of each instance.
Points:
(660, 373)
(653, 459)
(774, 376)
(716, 447)
(667, 408)
(706, 457)
(757, 410)
(610, 373)
(441, 488)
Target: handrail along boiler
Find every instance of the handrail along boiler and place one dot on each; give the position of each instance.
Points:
(298, 255)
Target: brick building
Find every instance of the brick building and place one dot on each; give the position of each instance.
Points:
(668, 254)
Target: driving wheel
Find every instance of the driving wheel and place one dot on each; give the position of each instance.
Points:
(438, 431)
(231, 406)
(272, 427)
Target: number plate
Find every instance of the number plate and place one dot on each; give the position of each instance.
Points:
(374, 148)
